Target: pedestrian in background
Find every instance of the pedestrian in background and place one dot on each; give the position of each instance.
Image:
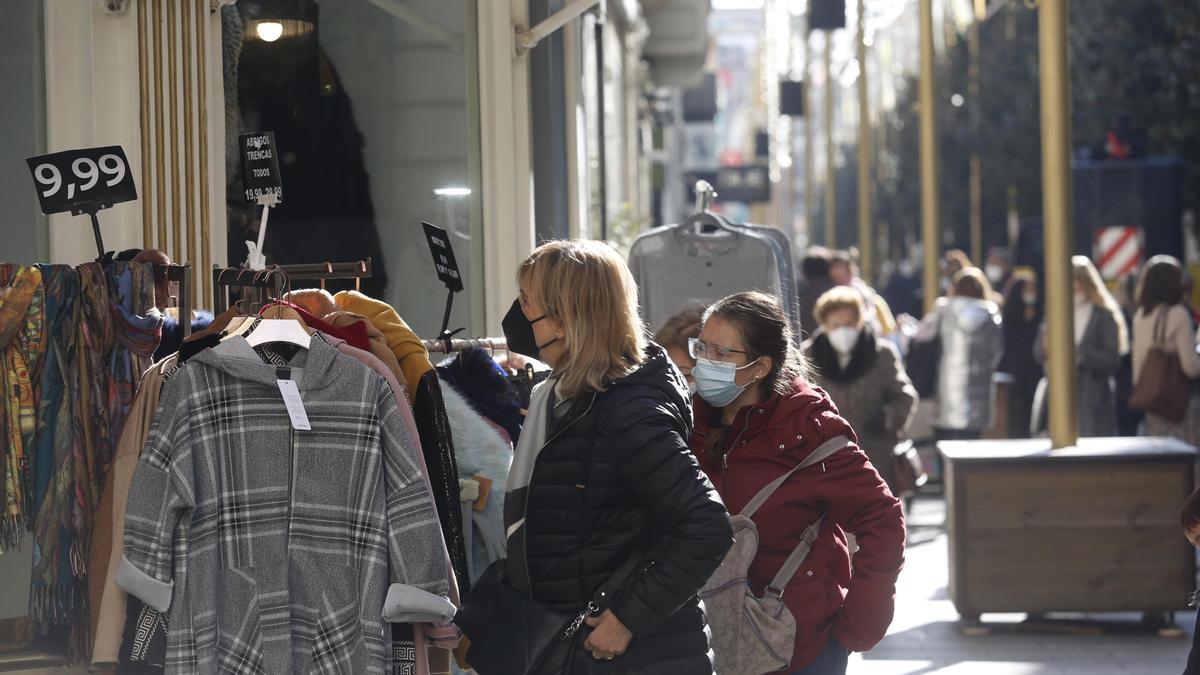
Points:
(862, 375)
(1101, 338)
(675, 335)
(1022, 318)
(757, 418)
(1163, 320)
(968, 324)
(844, 272)
(815, 280)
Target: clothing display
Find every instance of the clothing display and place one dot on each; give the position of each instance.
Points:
(261, 498)
(674, 265)
(275, 538)
(73, 341)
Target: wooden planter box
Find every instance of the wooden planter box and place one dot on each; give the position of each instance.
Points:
(1093, 528)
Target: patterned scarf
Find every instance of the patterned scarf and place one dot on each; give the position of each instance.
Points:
(137, 327)
(22, 343)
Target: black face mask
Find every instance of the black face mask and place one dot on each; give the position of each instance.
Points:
(518, 332)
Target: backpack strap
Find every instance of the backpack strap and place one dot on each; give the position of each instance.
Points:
(819, 455)
(796, 559)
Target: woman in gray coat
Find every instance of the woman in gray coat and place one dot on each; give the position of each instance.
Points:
(862, 375)
(1101, 338)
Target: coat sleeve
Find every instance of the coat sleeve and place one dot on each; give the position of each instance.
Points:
(859, 501)
(1179, 327)
(416, 561)
(1103, 356)
(660, 470)
(1039, 345)
(162, 492)
(900, 399)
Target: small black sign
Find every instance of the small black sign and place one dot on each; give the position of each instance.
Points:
(260, 166)
(82, 181)
(748, 184)
(443, 257)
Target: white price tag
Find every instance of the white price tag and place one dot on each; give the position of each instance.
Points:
(295, 405)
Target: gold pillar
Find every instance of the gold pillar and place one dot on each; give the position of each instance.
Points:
(1056, 209)
(830, 177)
(975, 185)
(866, 242)
(930, 236)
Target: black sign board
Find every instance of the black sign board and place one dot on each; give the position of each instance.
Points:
(260, 166)
(443, 257)
(82, 181)
(748, 184)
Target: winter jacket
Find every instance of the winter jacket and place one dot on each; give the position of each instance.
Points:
(828, 598)
(872, 393)
(615, 476)
(972, 344)
(1098, 356)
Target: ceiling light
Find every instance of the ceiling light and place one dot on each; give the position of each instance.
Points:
(269, 31)
(453, 192)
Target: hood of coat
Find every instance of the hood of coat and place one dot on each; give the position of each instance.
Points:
(970, 314)
(659, 374)
(236, 358)
(795, 423)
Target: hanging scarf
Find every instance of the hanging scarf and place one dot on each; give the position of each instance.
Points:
(55, 470)
(22, 343)
(137, 327)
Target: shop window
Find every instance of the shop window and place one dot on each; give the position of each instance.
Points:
(22, 130)
(375, 113)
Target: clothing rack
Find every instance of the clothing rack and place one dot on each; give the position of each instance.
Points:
(451, 346)
(356, 270)
(262, 285)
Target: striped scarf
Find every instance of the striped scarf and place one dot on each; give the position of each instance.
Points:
(22, 342)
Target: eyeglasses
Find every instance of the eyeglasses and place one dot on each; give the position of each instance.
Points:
(699, 349)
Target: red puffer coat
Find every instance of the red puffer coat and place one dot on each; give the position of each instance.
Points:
(826, 597)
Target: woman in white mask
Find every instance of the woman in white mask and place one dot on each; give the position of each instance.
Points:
(862, 375)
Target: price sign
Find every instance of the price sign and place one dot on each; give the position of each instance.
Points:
(260, 167)
(443, 257)
(82, 181)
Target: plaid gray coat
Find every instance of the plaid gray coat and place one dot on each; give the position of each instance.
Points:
(281, 551)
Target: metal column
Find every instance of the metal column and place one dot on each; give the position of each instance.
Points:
(930, 235)
(1056, 209)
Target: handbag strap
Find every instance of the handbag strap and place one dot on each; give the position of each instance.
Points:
(819, 455)
(1160, 328)
(796, 559)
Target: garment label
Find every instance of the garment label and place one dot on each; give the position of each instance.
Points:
(295, 406)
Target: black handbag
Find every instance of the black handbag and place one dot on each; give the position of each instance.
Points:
(922, 364)
(514, 634)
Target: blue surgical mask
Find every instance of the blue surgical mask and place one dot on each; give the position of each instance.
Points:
(716, 382)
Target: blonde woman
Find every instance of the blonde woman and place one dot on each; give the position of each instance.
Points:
(1101, 339)
(603, 475)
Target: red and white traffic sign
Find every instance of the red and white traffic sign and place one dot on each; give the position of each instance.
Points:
(1118, 251)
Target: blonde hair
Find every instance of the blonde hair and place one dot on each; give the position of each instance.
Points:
(586, 286)
(686, 323)
(1086, 274)
(840, 297)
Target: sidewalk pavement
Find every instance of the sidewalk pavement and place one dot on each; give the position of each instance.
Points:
(925, 638)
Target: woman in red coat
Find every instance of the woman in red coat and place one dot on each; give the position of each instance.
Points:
(757, 417)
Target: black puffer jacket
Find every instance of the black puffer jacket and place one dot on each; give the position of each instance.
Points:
(616, 471)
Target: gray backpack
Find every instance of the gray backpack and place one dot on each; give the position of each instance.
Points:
(753, 635)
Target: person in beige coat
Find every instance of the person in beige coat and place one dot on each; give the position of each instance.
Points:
(1160, 297)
